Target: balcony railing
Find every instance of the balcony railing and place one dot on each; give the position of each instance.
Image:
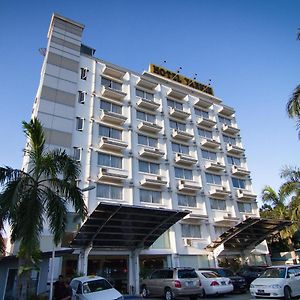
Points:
(186, 159)
(151, 152)
(178, 113)
(230, 129)
(182, 135)
(218, 192)
(214, 166)
(149, 127)
(240, 171)
(189, 186)
(111, 174)
(148, 104)
(112, 144)
(112, 117)
(153, 181)
(112, 93)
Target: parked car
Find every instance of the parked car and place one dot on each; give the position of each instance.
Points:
(277, 281)
(213, 283)
(172, 282)
(92, 288)
(251, 272)
(238, 282)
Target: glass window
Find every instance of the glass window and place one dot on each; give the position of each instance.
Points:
(144, 94)
(110, 132)
(232, 160)
(205, 133)
(213, 178)
(109, 191)
(177, 125)
(148, 167)
(201, 113)
(79, 123)
(150, 196)
(108, 106)
(109, 160)
(111, 84)
(77, 153)
(191, 231)
(245, 207)
(180, 148)
(147, 140)
(220, 230)
(229, 139)
(224, 120)
(175, 104)
(187, 200)
(81, 97)
(183, 173)
(209, 155)
(238, 183)
(145, 116)
(218, 204)
(83, 73)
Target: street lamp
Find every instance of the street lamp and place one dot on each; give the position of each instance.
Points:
(86, 189)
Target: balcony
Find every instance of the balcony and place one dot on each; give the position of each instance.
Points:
(176, 94)
(153, 181)
(178, 113)
(240, 171)
(146, 84)
(114, 73)
(196, 216)
(185, 159)
(182, 135)
(203, 103)
(206, 122)
(226, 218)
(112, 117)
(233, 149)
(112, 175)
(149, 127)
(230, 129)
(112, 93)
(112, 144)
(188, 186)
(210, 143)
(226, 111)
(214, 166)
(245, 195)
(218, 192)
(150, 152)
(148, 104)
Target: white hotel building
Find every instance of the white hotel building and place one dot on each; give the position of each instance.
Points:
(154, 140)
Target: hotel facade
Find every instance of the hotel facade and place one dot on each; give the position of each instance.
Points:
(153, 140)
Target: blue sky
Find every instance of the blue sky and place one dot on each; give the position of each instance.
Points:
(247, 48)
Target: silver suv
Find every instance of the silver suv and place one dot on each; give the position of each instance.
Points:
(171, 283)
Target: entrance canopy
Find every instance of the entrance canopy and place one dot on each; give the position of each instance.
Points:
(249, 233)
(125, 226)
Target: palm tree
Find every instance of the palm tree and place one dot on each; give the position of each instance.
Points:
(37, 195)
(293, 106)
(276, 206)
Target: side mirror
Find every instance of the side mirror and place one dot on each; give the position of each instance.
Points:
(292, 275)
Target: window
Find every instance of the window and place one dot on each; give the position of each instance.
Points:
(205, 133)
(218, 204)
(180, 148)
(148, 167)
(147, 140)
(177, 125)
(150, 196)
(224, 120)
(108, 106)
(232, 160)
(220, 230)
(77, 153)
(109, 160)
(187, 200)
(213, 179)
(81, 97)
(238, 183)
(83, 73)
(245, 207)
(229, 139)
(79, 123)
(190, 231)
(111, 84)
(145, 116)
(174, 104)
(209, 155)
(201, 113)
(183, 173)
(145, 95)
(109, 191)
(110, 132)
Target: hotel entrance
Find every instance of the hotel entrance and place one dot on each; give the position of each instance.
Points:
(148, 263)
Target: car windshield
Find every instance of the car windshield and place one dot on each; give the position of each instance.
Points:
(225, 272)
(273, 273)
(96, 286)
(210, 274)
(187, 274)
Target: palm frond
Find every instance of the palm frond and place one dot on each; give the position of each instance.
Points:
(290, 173)
(269, 195)
(7, 174)
(293, 104)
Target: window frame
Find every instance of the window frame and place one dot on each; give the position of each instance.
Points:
(110, 192)
(79, 121)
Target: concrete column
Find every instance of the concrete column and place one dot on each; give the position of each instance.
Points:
(175, 260)
(83, 260)
(134, 272)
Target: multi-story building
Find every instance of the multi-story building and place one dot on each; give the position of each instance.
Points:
(156, 140)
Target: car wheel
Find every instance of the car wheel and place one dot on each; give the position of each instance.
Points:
(168, 294)
(287, 293)
(145, 292)
(194, 297)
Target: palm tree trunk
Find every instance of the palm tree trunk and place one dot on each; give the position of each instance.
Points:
(23, 281)
(292, 251)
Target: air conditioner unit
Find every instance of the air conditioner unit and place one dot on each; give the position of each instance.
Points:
(187, 242)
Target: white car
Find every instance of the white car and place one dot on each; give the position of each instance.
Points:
(92, 288)
(277, 281)
(213, 284)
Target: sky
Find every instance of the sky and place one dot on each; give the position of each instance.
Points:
(247, 48)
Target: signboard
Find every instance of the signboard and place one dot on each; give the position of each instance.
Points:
(180, 79)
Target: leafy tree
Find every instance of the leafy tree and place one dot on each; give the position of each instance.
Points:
(38, 195)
